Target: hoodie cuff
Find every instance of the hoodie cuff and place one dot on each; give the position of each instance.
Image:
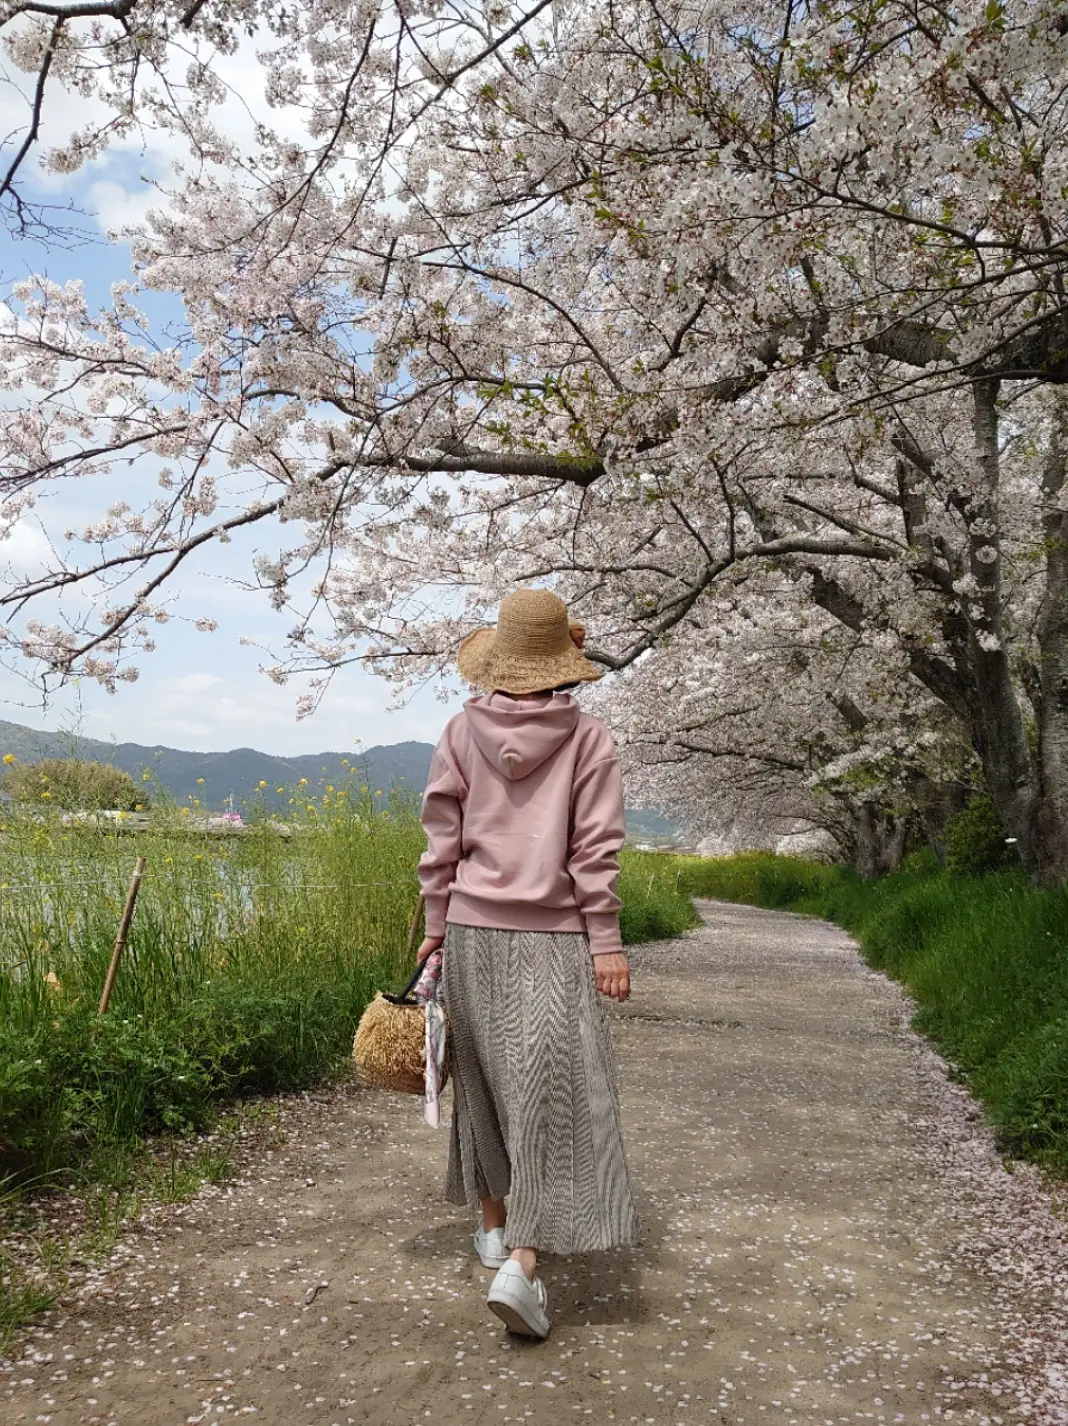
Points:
(602, 927)
(436, 909)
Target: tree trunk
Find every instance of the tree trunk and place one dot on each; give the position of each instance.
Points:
(1051, 812)
(999, 733)
(880, 840)
(1029, 792)
(978, 686)
(937, 803)
(895, 845)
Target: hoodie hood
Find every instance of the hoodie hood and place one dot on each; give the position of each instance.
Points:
(517, 735)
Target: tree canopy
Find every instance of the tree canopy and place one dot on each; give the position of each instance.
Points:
(73, 784)
(698, 310)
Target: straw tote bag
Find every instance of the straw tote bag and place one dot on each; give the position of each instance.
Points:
(390, 1044)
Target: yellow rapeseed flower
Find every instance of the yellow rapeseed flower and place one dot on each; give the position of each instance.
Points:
(303, 782)
(200, 782)
(9, 758)
(378, 793)
(185, 811)
(279, 789)
(146, 776)
(263, 784)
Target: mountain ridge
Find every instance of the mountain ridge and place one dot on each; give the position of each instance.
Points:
(231, 772)
(237, 772)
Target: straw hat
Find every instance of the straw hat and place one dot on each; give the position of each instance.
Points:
(533, 647)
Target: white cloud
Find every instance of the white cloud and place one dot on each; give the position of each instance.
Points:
(25, 552)
(208, 712)
(195, 684)
(116, 208)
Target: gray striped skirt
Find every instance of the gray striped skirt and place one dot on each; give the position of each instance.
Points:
(535, 1110)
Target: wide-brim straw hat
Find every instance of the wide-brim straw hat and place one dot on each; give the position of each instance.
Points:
(530, 650)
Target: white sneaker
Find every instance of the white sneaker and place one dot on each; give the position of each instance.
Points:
(521, 1304)
(490, 1247)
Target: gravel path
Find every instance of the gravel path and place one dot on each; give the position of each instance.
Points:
(828, 1238)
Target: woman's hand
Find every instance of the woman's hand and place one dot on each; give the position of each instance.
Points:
(612, 975)
(429, 946)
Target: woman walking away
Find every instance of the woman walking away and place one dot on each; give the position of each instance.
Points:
(524, 819)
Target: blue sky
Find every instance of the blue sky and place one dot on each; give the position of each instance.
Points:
(197, 691)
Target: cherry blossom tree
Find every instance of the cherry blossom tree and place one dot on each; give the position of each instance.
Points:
(647, 300)
(768, 722)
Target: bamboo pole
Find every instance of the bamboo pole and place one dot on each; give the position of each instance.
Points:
(124, 927)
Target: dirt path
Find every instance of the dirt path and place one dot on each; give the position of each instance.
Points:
(828, 1239)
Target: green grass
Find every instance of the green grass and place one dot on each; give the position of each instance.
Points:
(248, 963)
(985, 958)
(756, 878)
(21, 1298)
(655, 904)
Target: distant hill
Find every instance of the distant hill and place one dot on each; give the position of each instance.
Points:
(646, 824)
(238, 773)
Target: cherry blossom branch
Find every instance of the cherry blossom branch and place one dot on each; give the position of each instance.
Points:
(35, 114)
(88, 10)
(179, 553)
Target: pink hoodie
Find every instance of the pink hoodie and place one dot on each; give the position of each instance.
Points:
(523, 814)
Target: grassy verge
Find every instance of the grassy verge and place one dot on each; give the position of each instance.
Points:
(50, 1241)
(985, 958)
(655, 902)
(248, 963)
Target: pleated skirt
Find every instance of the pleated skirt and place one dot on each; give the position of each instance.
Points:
(535, 1107)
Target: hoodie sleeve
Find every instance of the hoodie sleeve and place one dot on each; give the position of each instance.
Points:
(442, 819)
(593, 856)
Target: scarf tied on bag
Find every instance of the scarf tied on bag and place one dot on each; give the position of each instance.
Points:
(427, 992)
